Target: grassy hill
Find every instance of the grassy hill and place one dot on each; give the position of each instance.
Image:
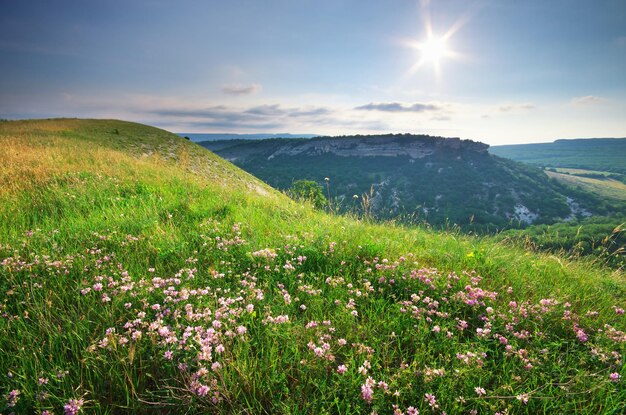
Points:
(608, 186)
(603, 154)
(416, 178)
(139, 273)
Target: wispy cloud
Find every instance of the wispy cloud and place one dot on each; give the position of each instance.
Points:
(516, 107)
(238, 89)
(256, 117)
(586, 100)
(398, 107)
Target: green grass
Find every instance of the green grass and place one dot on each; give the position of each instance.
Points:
(605, 187)
(604, 154)
(142, 274)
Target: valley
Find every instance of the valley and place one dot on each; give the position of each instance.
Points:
(417, 179)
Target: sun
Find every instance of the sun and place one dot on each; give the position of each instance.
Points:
(433, 50)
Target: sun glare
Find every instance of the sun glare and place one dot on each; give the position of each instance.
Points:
(433, 50)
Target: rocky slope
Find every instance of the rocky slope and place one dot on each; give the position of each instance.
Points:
(415, 177)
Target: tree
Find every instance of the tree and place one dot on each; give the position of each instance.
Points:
(310, 191)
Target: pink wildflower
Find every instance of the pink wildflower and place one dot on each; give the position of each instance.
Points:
(13, 397)
(202, 390)
(615, 377)
(73, 406)
(341, 369)
(431, 399)
(480, 391)
(366, 390)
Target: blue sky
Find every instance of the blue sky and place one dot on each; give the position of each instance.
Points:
(511, 72)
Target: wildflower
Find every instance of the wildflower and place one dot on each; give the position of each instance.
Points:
(480, 391)
(431, 399)
(615, 377)
(13, 397)
(168, 355)
(523, 398)
(366, 390)
(202, 390)
(241, 330)
(42, 381)
(412, 411)
(341, 369)
(73, 406)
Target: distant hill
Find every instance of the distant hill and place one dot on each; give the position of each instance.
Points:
(417, 177)
(603, 154)
(198, 137)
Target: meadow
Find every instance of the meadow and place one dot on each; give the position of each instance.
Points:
(139, 273)
(599, 183)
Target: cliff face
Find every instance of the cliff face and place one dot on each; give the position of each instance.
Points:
(378, 146)
(412, 146)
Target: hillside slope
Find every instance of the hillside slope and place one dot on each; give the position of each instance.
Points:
(603, 154)
(418, 178)
(139, 273)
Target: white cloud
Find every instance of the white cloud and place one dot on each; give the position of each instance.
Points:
(586, 100)
(516, 107)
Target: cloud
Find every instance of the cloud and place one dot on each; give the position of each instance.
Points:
(398, 107)
(516, 107)
(257, 117)
(586, 100)
(241, 89)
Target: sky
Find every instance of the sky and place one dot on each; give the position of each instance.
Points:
(496, 71)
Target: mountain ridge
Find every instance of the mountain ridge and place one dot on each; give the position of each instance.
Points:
(437, 179)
